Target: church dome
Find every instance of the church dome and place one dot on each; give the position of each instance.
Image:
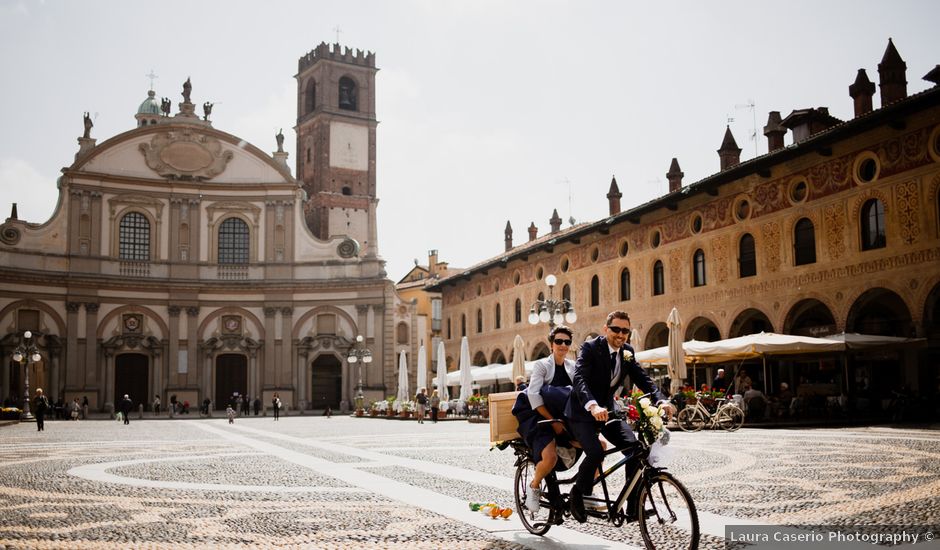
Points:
(150, 106)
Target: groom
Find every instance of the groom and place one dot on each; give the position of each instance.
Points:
(605, 366)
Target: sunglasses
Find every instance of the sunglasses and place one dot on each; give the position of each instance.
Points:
(618, 330)
(562, 342)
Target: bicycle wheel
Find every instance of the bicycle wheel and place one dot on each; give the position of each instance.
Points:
(690, 420)
(667, 514)
(730, 418)
(536, 523)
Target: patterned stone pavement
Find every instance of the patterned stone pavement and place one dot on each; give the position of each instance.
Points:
(315, 482)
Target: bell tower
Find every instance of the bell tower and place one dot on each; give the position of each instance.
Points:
(336, 143)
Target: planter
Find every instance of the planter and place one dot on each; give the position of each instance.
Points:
(405, 414)
(373, 412)
(360, 412)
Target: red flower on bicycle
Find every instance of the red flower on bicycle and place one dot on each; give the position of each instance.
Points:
(632, 413)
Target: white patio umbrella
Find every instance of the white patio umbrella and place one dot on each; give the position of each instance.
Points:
(442, 374)
(403, 393)
(422, 368)
(677, 370)
(466, 379)
(635, 340)
(518, 357)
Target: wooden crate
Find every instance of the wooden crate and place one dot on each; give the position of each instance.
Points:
(502, 423)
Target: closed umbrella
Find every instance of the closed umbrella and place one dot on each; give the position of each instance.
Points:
(677, 370)
(422, 368)
(635, 340)
(403, 393)
(518, 358)
(442, 374)
(466, 379)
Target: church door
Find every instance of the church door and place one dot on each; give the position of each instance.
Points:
(131, 372)
(231, 376)
(327, 382)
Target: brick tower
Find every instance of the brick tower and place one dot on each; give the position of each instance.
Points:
(336, 143)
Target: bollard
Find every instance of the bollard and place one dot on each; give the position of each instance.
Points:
(109, 408)
(140, 411)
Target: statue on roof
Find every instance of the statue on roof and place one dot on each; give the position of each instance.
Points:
(88, 125)
(207, 110)
(165, 105)
(280, 140)
(187, 89)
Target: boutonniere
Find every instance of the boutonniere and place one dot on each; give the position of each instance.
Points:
(627, 355)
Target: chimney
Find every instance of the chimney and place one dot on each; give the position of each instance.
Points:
(555, 221)
(674, 175)
(892, 72)
(730, 153)
(432, 263)
(807, 122)
(508, 236)
(533, 232)
(613, 197)
(13, 215)
(774, 132)
(861, 91)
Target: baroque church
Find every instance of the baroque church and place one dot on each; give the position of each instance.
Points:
(183, 261)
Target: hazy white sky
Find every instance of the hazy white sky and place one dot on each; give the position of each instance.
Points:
(489, 110)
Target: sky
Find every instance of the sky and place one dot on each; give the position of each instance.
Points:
(489, 110)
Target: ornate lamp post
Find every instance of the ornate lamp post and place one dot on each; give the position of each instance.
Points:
(359, 354)
(552, 311)
(25, 354)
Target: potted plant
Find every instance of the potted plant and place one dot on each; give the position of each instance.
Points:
(406, 408)
(390, 406)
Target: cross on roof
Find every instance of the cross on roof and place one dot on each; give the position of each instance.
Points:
(338, 30)
(151, 76)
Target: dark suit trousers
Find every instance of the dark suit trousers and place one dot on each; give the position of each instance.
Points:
(617, 432)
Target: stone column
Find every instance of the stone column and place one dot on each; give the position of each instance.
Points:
(55, 385)
(172, 362)
(93, 371)
(5, 362)
(269, 377)
(301, 375)
(192, 348)
(74, 370)
(349, 384)
(288, 369)
(108, 383)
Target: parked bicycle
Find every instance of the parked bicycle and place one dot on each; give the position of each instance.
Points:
(651, 496)
(728, 416)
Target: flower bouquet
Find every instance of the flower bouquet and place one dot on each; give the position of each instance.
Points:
(646, 418)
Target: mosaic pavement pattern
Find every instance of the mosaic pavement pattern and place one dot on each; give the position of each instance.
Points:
(314, 482)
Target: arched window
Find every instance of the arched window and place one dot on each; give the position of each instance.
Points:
(233, 242)
(873, 225)
(747, 257)
(310, 97)
(659, 281)
(698, 271)
(566, 292)
(595, 291)
(463, 324)
(479, 321)
(518, 313)
(402, 333)
(348, 94)
(134, 237)
(624, 285)
(498, 324)
(804, 242)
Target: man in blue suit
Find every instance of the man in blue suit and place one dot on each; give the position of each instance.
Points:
(605, 366)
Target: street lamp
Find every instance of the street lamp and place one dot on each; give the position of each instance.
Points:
(552, 311)
(25, 354)
(359, 354)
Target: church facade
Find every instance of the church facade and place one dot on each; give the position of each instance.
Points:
(837, 231)
(182, 261)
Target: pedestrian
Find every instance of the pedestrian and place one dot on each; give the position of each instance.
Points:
(422, 400)
(435, 405)
(257, 405)
(246, 405)
(276, 406)
(156, 405)
(40, 404)
(126, 406)
(84, 407)
(230, 412)
(75, 409)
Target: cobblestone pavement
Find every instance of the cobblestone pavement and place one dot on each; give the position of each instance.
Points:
(315, 482)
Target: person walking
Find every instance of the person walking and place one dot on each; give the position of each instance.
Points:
(156, 405)
(230, 412)
(40, 405)
(276, 406)
(126, 406)
(435, 405)
(75, 408)
(422, 400)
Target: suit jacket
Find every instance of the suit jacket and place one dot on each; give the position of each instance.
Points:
(592, 374)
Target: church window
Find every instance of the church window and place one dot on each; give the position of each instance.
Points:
(134, 237)
(233, 242)
(310, 97)
(747, 257)
(595, 291)
(624, 285)
(804, 242)
(873, 225)
(347, 94)
(518, 311)
(698, 265)
(659, 281)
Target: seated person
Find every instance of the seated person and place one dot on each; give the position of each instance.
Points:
(605, 365)
(544, 399)
(781, 404)
(755, 402)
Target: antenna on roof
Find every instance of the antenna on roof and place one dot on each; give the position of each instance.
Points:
(571, 219)
(750, 105)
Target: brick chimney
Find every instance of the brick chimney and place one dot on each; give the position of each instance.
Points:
(508, 236)
(774, 132)
(730, 153)
(555, 221)
(674, 175)
(861, 92)
(892, 71)
(432, 263)
(613, 197)
(806, 122)
(533, 232)
(13, 214)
